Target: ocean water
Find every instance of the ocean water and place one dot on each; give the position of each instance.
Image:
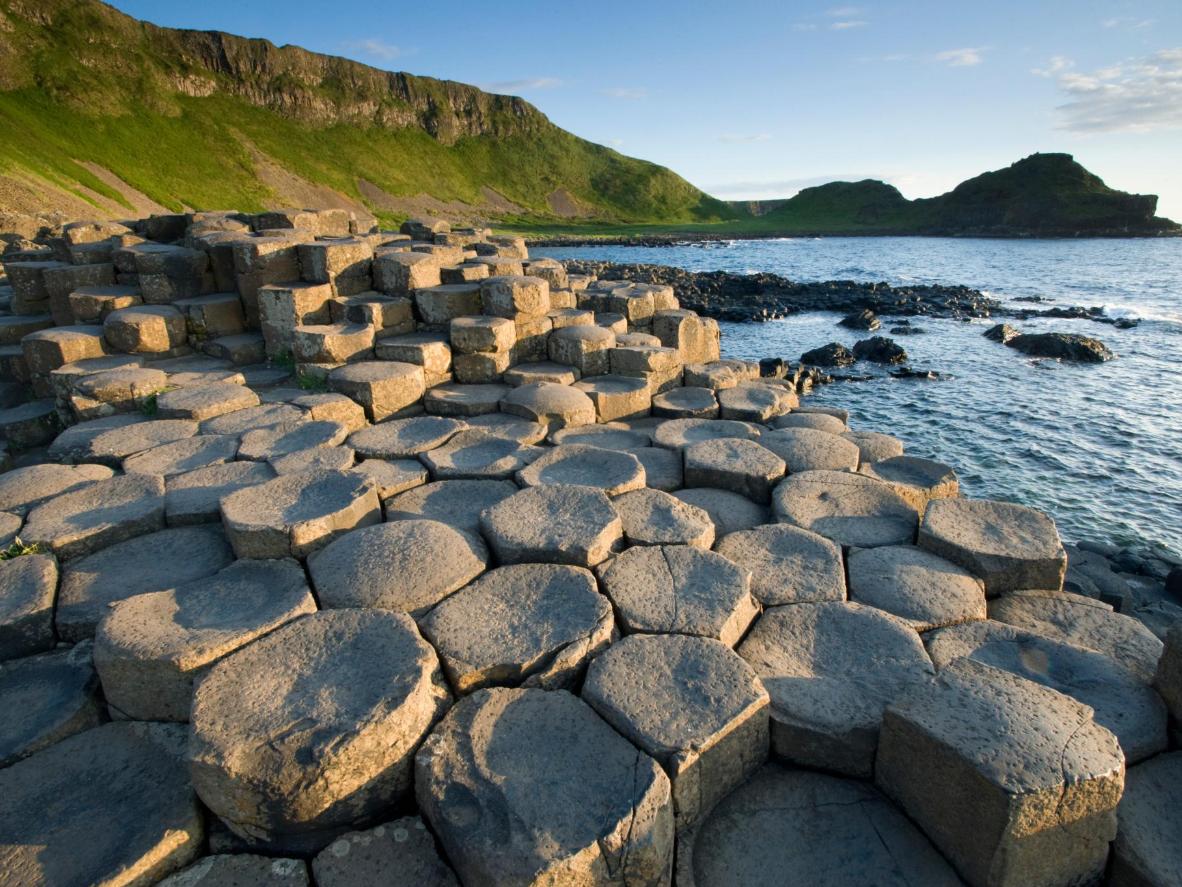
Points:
(1097, 446)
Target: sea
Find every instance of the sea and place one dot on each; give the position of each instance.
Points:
(1096, 446)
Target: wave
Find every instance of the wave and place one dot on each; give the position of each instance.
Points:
(1143, 312)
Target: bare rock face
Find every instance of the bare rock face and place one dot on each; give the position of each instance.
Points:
(553, 524)
(112, 805)
(240, 870)
(831, 669)
(819, 828)
(195, 496)
(1124, 705)
(678, 433)
(693, 705)
(530, 624)
(652, 517)
(97, 515)
(182, 456)
(550, 404)
(1008, 546)
(1085, 622)
(48, 697)
(1148, 847)
(679, 589)
(457, 503)
(612, 471)
(150, 649)
(917, 480)
(24, 488)
(730, 512)
(1013, 782)
(314, 726)
(741, 466)
(913, 584)
(788, 565)
(400, 853)
(874, 446)
(807, 449)
(407, 566)
(402, 438)
(1168, 680)
(474, 455)
(850, 509)
(28, 588)
(531, 787)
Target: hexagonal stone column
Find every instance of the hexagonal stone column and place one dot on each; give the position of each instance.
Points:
(464, 400)
(586, 348)
(686, 403)
(295, 514)
(549, 404)
(741, 466)
(408, 566)
(874, 446)
(28, 586)
(598, 811)
(382, 387)
(277, 441)
(617, 397)
(693, 705)
(1013, 782)
(111, 440)
(652, 517)
(476, 454)
(851, 509)
(205, 401)
(822, 829)
(612, 471)
(56, 695)
(152, 648)
(677, 589)
(145, 329)
(534, 625)
(831, 669)
(403, 438)
(927, 591)
(553, 524)
(788, 565)
(402, 848)
(313, 726)
(515, 296)
(1133, 712)
(182, 456)
(112, 805)
(195, 497)
(806, 449)
(1009, 546)
(755, 403)
(97, 515)
(1148, 847)
(457, 503)
(677, 434)
(917, 480)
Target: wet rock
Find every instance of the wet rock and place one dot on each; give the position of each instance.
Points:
(740, 466)
(408, 566)
(1001, 332)
(1121, 703)
(532, 625)
(787, 564)
(678, 589)
(314, 726)
(56, 696)
(831, 355)
(553, 524)
(831, 669)
(819, 828)
(690, 703)
(1062, 346)
(1043, 778)
(612, 471)
(925, 590)
(152, 648)
(879, 349)
(861, 320)
(295, 514)
(850, 509)
(598, 811)
(97, 515)
(400, 853)
(1009, 546)
(28, 588)
(112, 805)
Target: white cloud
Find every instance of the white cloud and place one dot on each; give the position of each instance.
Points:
(846, 12)
(961, 58)
(1137, 95)
(1132, 24)
(847, 25)
(1057, 65)
(524, 85)
(733, 137)
(374, 48)
(626, 92)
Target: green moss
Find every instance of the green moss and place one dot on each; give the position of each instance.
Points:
(20, 549)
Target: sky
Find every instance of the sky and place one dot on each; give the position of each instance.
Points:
(751, 99)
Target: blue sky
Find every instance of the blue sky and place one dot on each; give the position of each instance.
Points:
(751, 99)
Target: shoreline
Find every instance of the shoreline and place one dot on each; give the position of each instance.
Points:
(679, 239)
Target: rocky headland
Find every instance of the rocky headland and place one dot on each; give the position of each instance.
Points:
(337, 555)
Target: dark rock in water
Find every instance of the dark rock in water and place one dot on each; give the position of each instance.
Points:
(1062, 346)
(906, 329)
(1126, 323)
(832, 355)
(861, 320)
(772, 368)
(1030, 299)
(923, 375)
(880, 349)
(1002, 332)
(1174, 583)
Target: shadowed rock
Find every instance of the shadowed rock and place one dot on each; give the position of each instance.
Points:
(553, 524)
(850, 509)
(400, 853)
(48, 697)
(612, 471)
(927, 591)
(1148, 847)
(788, 565)
(28, 588)
(741, 466)
(97, 515)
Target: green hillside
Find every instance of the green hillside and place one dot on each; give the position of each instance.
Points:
(209, 120)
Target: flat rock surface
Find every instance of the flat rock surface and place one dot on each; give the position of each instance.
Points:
(831, 669)
(112, 445)
(151, 648)
(663, 469)
(23, 488)
(400, 438)
(476, 454)
(271, 443)
(181, 456)
(549, 404)
(874, 446)
(314, 725)
(690, 703)
(1133, 712)
(607, 436)
(807, 449)
(152, 562)
(825, 831)
(741, 466)
(503, 425)
(266, 415)
(916, 480)
(28, 588)
(679, 589)
(1148, 848)
(408, 566)
(1009, 546)
(295, 514)
(400, 853)
(915, 585)
(112, 805)
(652, 517)
(527, 786)
(677, 433)
(195, 496)
(205, 401)
(788, 565)
(612, 471)
(97, 515)
(458, 503)
(56, 695)
(729, 511)
(553, 524)
(1084, 622)
(527, 624)
(850, 509)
